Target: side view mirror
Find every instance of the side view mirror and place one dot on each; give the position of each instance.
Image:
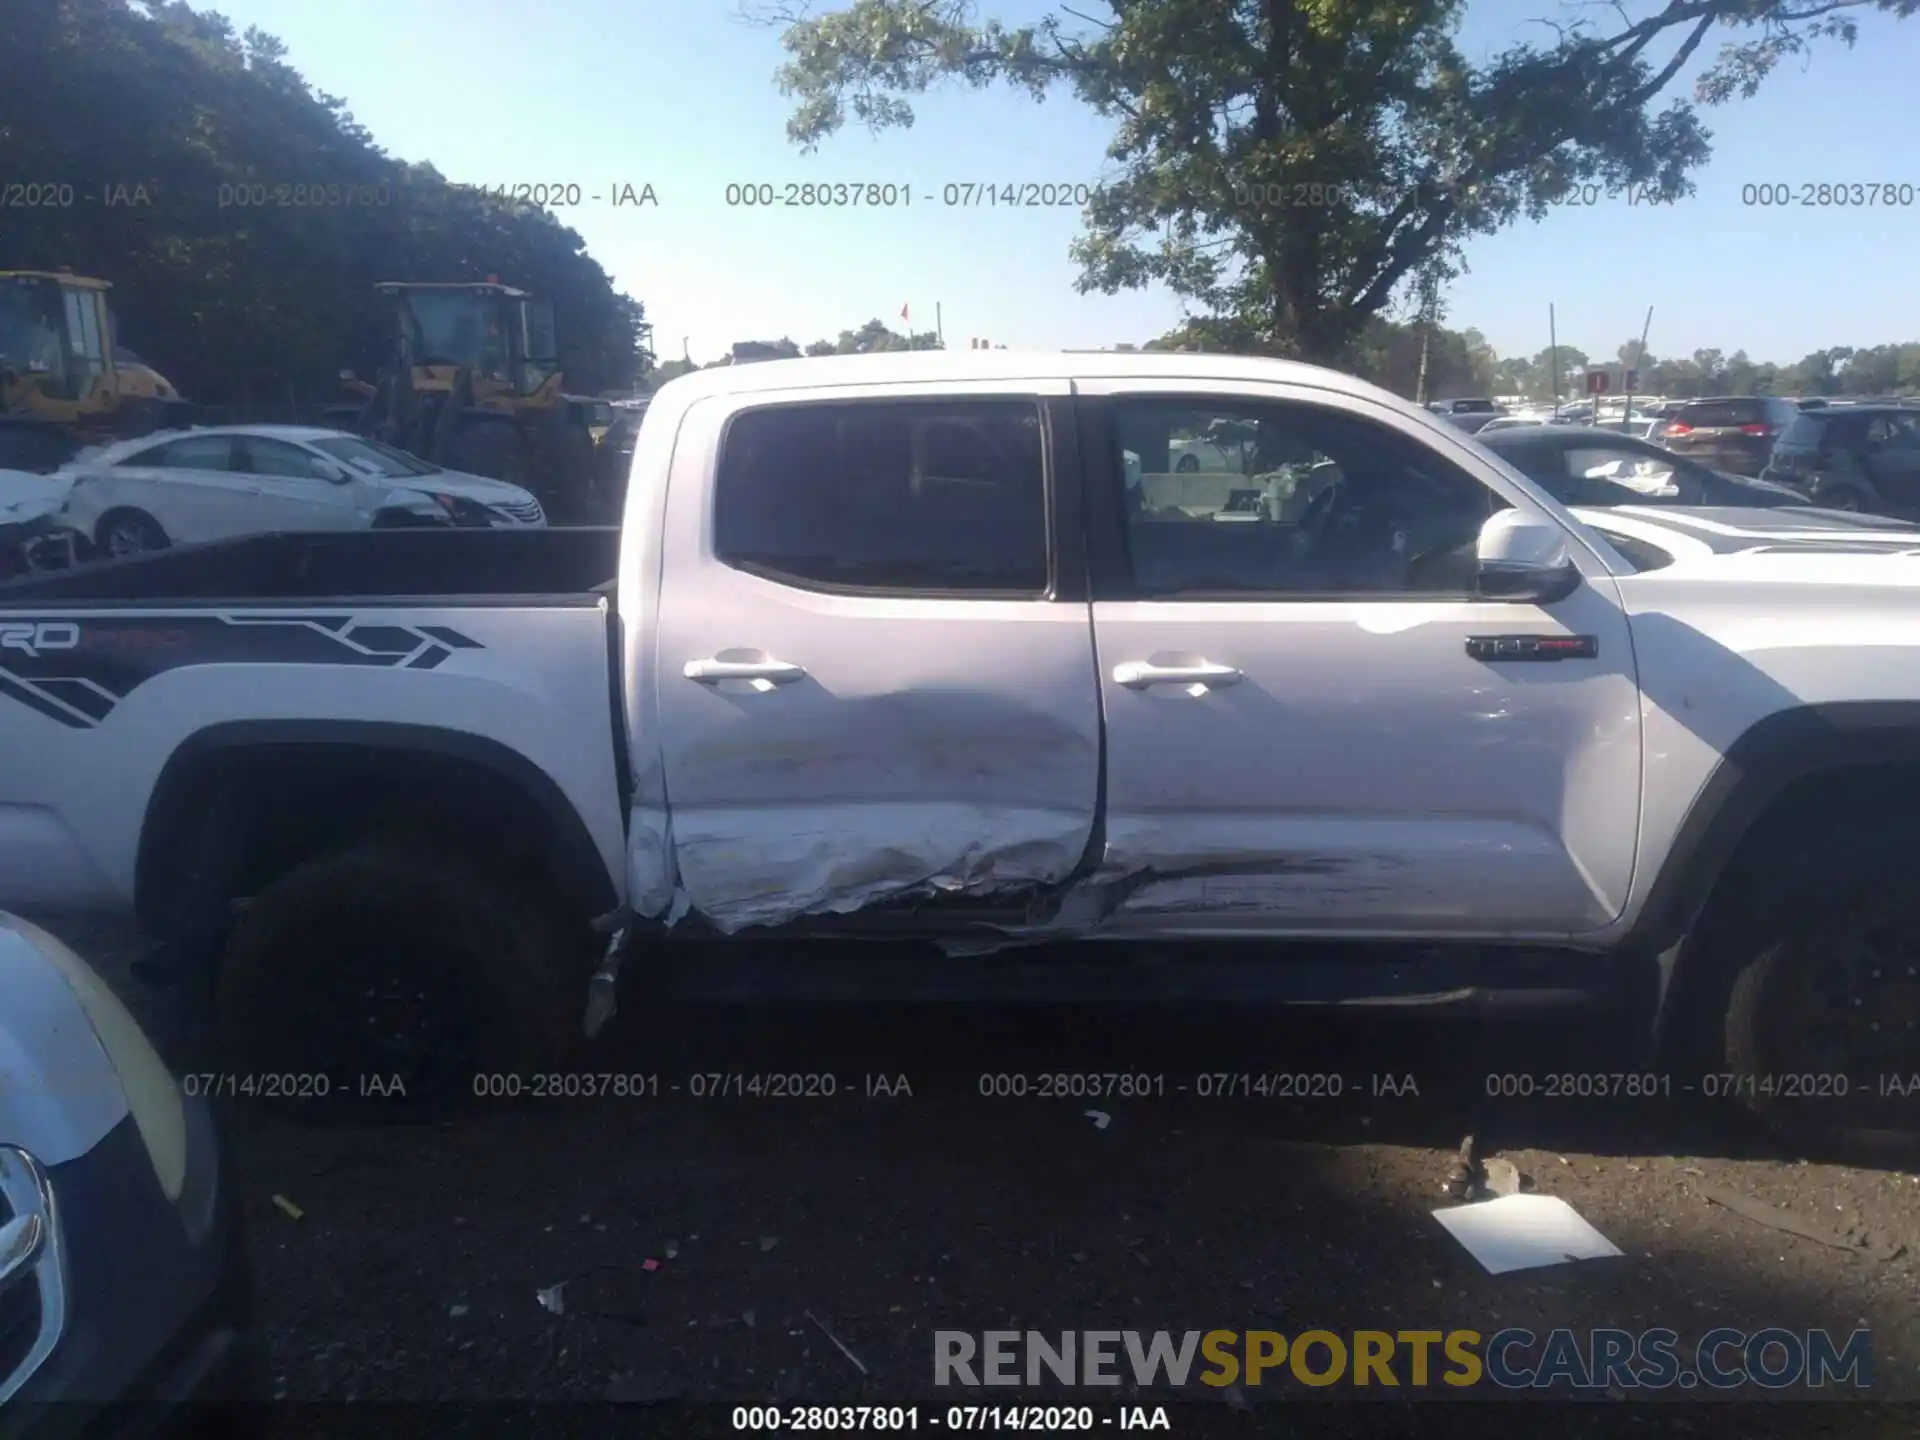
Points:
(329, 471)
(1525, 557)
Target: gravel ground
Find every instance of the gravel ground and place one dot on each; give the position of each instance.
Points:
(726, 1249)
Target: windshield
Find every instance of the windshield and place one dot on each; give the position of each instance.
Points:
(371, 457)
(457, 327)
(30, 338)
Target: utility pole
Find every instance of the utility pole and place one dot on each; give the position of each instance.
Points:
(1639, 359)
(1553, 350)
(1429, 300)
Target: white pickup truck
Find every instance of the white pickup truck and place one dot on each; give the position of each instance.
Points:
(940, 651)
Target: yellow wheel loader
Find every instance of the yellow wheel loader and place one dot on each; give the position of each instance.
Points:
(64, 382)
(474, 385)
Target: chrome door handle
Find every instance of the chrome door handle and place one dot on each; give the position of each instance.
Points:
(775, 672)
(1139, 674)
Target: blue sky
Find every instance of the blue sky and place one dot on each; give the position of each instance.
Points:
(680, 94)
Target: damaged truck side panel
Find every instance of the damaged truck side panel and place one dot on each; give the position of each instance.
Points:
(823, 746)
(954, 647)
(817, 748)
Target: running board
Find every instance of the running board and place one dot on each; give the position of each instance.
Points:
(1462, 982)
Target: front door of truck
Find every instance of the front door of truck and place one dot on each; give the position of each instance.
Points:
(1308, 728)
(872, 680)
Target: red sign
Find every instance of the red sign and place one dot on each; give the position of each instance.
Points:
(1597, 382)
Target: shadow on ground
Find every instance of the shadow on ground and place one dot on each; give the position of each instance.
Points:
(732, 1247)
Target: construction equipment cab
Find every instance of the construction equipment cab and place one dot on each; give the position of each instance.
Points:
(474, 384)
(64, 383)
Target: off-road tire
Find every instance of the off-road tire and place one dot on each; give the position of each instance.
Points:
(1835, 947)
(511, 970)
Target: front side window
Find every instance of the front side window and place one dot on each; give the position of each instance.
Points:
(276, 457)
(910, 497)
(375, 458)
(1315, 503)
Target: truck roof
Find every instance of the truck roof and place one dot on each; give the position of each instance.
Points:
(907, 366)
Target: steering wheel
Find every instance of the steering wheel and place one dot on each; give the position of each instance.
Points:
(1319, 512)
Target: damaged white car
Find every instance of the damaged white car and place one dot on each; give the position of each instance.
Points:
(34, 531)
(949, 649)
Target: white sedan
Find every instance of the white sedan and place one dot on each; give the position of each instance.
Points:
(220, 482)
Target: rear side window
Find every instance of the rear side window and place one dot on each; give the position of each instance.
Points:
(909, 497)
(1804, 433)
(201, 452)
(1842, 433)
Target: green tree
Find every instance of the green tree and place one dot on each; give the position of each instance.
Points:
(872, 338)
(1289, 168)
(749, 350)
(258, 213)
(670, 370)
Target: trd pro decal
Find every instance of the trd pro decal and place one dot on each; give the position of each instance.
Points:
(76, 671)
(31, 637)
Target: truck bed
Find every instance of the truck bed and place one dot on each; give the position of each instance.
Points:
(445, 566)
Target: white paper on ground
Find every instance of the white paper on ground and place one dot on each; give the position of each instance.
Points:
(1524, 1232)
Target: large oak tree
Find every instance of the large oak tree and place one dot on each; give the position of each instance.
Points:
(1290, 167)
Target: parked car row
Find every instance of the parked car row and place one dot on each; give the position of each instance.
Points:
(1860, 455)
(1852, 457)
(1595, 466)
(220, 482)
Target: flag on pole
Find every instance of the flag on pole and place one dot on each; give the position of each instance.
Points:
(903, 312)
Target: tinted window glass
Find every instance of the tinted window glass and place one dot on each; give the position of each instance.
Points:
(1893, 431)
(202, 452)
(1843, 432)
(1705, 414)
(1804, 433)
(941, 496)
(1315, 503)
(1542, 464)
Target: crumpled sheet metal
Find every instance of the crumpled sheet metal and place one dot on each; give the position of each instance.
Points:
(746, 869)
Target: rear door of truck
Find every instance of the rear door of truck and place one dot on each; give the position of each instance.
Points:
(875, 663)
